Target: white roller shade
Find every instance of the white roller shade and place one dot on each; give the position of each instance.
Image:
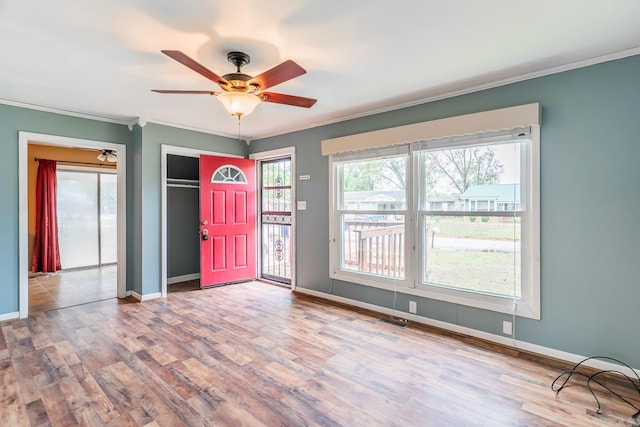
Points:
(468, 124)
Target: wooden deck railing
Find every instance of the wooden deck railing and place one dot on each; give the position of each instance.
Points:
(375, 247)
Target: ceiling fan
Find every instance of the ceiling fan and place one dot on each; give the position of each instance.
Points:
(241, 93)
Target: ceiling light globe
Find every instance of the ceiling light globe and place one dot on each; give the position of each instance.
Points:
(239, 103)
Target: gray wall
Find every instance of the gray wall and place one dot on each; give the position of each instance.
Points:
(590, 228)
(143, 188)
(589, 221)
(13, 120)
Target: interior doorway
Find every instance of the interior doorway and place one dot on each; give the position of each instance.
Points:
(180, 224)
(74, 283)
(86, 219)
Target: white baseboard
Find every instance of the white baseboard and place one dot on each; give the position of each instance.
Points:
(510, 342)
(145, 297)
(183, 278)
(10, 316)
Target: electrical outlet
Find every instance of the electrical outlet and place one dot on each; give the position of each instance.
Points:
(507, 328)
(413, 307)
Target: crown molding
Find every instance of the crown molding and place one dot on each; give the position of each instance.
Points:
(471, 89)
(66, 112)
(130, 122)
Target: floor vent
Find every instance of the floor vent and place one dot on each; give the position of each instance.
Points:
(402, 323)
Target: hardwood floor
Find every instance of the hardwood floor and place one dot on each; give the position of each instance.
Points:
(68, 288)
(254, 354)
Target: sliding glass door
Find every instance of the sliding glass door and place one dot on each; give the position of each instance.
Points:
(87, 207)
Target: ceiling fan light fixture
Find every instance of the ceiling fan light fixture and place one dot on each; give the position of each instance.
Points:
(239, 103)
(108, 155)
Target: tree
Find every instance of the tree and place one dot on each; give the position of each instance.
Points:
(463, 167)
(457, 168)
(383, 174)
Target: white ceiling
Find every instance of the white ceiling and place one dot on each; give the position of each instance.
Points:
(102, 58)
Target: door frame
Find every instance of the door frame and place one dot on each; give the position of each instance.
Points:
(259, 157)
(165, 151)
(24, 139)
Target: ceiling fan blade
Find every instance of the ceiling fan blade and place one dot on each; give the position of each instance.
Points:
(280, 98)
(195, 66)
(278, 74)
(192, 92)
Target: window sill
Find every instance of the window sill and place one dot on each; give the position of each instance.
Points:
(522, 307)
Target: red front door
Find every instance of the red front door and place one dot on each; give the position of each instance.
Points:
(227, 220)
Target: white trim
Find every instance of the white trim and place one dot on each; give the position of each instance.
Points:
(528, 305)
(467, 124)
(65, 112)
(197, 129)
(423, 100)
(9, 316)
(510, 342)
(435, 96)
(24, 139)
(183, 278)
(166, 150)
(271, 155)
(146, 297)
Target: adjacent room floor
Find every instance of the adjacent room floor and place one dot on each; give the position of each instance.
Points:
(69, 288)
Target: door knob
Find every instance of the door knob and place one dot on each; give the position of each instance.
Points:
(205, 234)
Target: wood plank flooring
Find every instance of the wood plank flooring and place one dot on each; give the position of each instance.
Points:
(68, 288)
(254, 354)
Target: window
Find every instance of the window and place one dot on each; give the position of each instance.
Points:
(371, 209)
(229, 174)
(454, 219)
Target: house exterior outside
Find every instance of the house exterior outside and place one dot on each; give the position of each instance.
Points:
(484, 197)
(491, 197)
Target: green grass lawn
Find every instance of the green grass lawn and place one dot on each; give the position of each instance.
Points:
(491, 272)
(461, 227)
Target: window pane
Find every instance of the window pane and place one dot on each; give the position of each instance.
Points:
(108, 218)
(374, 246)
(276, 173)
(476, 253)
(78, 219)
(276, 200)
(474, 178)
(374, 184)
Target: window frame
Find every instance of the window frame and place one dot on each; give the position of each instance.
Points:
(527, 305)
(337, 211)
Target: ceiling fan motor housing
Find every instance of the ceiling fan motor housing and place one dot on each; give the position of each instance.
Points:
(238, 80)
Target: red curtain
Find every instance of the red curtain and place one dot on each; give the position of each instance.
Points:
(46, 252)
